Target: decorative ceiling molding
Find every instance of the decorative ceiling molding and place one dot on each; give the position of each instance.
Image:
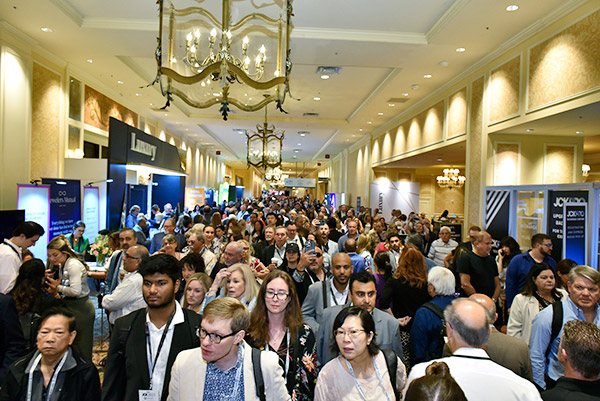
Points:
(375, 92)
(121, 24)
(446, 18)
(69, 10)
(525, 34)
(327, 142)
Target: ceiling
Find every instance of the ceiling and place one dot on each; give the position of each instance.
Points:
(384, 48)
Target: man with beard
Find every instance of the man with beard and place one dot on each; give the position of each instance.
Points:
(144, 343)
(519, 266)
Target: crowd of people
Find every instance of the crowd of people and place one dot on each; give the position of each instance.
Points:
(287, 299)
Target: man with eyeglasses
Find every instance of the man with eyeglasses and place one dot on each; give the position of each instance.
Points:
(169, 228)
(127, 239)
(223, 367)
(232, 254)
(195, 241)
(127, 297)
(144, 343)
(519, 266)
(363, 293)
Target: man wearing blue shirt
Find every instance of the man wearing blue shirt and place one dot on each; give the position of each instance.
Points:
(358, 262)
(581, 304)
(519, 266)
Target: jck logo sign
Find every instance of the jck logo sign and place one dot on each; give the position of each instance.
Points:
(139, 146)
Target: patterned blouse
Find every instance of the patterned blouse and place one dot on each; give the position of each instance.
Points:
(302, 374)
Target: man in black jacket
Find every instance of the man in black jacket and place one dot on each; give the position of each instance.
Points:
(145, 343)
(59, 372)
(12, 342)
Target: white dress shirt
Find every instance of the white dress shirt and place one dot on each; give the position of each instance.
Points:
(158, 377)
(10, 262)
(336, 297)
(126, 298)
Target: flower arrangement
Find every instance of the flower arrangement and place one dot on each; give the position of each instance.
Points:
(100, 249)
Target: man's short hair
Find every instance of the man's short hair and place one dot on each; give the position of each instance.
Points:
(134, 208)
(442, 279)
(56, 311)
(474, 228)
(475, 337)
(228, 308)
(163, 264)
(581, 341)
(350, 245)
(479, 236)
(127, 229)
(539, 239)
(361, 277)
(29, 229)
(586, 272)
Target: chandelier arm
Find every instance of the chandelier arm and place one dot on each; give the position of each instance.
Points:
(193, 79)
(249, 81)
(254, 16)
(254, 107)
(196, 10)
(193, 103)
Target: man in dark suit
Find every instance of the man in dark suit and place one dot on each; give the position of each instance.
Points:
(157, 240)
(363, 294)
(12, 342)
(156, 334)
(277, 250)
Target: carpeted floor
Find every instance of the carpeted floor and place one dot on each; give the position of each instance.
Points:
(101, 337)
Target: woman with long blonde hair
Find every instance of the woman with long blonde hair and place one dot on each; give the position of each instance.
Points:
(71, 284)
(238, 282)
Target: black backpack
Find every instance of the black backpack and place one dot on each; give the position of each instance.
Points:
(439, 313)
(259, 382)
(557, 322)
(391, 361)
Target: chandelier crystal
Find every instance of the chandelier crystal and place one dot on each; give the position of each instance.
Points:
(205, 61)
(451, 179)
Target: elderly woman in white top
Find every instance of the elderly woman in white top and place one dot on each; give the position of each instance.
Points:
(539, 292)
(71, 284)
(238, 282)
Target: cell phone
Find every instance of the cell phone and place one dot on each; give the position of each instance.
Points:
(309, 246)
(322, 222)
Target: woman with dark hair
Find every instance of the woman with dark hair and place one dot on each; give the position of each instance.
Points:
(276, 324)
(406, 291)
(79, 242)
(216, 220)
(383, 272)
(72, 285)
(171, 247)
(562, 269)
(360, 372)
(436, 385)
(509, 248)
(538, 293)
(258, 232)
(31, 298)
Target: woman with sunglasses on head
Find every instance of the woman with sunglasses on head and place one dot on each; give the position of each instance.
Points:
(276, 325)
(360, 373)
(237, 281)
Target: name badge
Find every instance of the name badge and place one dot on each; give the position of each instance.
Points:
(148, 395)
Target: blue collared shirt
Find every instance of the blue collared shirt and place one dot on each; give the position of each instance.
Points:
(516, 274)
(541, 332)
(221, 384)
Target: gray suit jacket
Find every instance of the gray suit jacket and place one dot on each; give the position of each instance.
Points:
(387, 333)
(312, 308)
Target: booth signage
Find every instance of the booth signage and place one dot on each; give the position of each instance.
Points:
(65, 205)
(139, 146)
(91, 211)
(300, 182)
(194, 196)
(556, 217)
(574, 225)
(387, 195)
(35, 200)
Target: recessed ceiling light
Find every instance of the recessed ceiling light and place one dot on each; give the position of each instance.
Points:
(215, 94)
(89, 60)
(461, 50)
(360, 130)
(353, 135)
(347, 140)
(166, 114)
(443, 64)
(405, 94)
(579, 132)
(316, 98)
(391, 104)
(427, 76)
(45, 29)
(138, 94)
(414, 86)
(512, 7)
(294, 157)
(439, 159)
(187, 129)
(303, 134)
(120, 82)
(151, 104)
(299, 144)
(369, 122)
(379, 114)
(529, 130)
(324, 76)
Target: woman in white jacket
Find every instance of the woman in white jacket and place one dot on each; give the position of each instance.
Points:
(539, 292)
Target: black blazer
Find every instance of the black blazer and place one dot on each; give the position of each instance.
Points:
(12, 342)
(126, 369)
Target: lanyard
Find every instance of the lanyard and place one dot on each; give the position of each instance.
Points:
(360, 390)
(483, 358)
(238, 374)
(54, 376)
(160, 344)
(287, 354)
(279, 252)
(14, 250)
(333, 295)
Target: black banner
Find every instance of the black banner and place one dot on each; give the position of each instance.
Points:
(556, 202)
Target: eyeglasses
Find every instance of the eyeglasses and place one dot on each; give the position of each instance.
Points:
(125, 255)
(353, 333)
(213, 337)
(282, 296)
(549, 245)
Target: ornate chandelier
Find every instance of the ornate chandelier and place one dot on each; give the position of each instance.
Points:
(451, 179)
(273, 174)
(206, 62)
(264, 146)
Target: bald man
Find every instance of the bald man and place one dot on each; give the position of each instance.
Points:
(478, 270)
(358, 262)
(468, 329)
(329, 292)
(508, 351)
